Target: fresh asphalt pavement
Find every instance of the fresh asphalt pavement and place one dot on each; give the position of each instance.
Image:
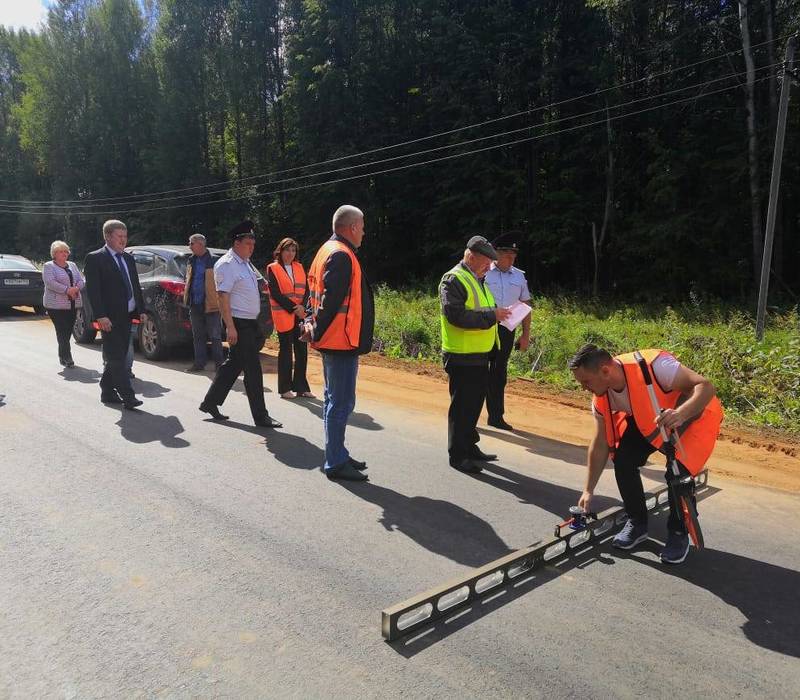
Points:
(158, 553)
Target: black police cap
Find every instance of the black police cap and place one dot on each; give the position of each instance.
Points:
(245, 229)
(507, 241)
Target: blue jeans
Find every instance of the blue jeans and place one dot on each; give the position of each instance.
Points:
(340, 373)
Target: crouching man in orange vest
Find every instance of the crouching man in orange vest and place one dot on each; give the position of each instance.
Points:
(628, 431)
(341, 320)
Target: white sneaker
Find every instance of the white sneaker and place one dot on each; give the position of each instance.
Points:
(288, 395)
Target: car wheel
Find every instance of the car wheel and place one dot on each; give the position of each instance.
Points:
(150, 339)
(82, 331)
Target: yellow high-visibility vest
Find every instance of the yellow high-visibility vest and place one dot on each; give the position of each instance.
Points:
(470, 340)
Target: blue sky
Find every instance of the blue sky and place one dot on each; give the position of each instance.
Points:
(22, 13)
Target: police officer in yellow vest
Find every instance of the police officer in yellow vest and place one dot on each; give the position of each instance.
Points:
(469, 321)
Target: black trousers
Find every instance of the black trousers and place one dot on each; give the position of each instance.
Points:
(63, 320)
(467, 393)
(290, 344)
(245, 357)
(115, 350)
(631, 454)
(498, 374)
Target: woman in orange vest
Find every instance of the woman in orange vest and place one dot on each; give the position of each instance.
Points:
(627, 429)
(288, 291)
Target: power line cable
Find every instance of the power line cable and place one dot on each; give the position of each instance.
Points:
(222, 186)
(94, 207)
(393, 169)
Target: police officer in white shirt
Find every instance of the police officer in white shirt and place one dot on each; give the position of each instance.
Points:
(508, 285)
(238, 286)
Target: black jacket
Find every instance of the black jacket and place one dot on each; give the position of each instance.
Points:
(336, 283)
(107, 292)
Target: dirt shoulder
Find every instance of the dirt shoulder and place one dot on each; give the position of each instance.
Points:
(741, 453)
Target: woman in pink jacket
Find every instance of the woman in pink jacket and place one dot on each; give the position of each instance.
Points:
(63, 283)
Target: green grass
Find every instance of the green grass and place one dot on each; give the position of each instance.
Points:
(758, 382)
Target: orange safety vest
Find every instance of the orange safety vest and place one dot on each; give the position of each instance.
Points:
(345, 329)
(294, 291)
(698, 435)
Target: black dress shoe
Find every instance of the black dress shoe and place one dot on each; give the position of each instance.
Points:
(361, 466)
(212, 410)
(346, 472)
(110, 398)
(501, 424)
(477, 454)
(267, 422)
(467, 466)
(132, 403)
(195, 368)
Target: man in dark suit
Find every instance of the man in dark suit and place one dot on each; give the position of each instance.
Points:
(116, 299)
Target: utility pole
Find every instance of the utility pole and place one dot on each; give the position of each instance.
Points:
(775, 184)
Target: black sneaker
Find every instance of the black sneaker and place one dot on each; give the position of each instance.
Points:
(630, 535)
(676, 548)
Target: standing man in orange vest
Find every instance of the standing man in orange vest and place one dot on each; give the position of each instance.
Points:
(341, 322)
(628, 430)
(288, 293)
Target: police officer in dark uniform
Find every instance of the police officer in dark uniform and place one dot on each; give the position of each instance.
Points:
(508, 285)
(238, 285)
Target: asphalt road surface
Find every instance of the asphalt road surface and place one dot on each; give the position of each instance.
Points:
(157, 553)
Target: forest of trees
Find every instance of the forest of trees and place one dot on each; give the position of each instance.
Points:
(642, 132)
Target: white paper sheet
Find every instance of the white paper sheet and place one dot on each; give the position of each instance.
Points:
(519, 312)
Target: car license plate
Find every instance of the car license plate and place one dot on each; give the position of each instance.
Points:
(16, 282)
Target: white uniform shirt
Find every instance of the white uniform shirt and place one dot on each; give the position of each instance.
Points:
(239, 279)
(507, 287)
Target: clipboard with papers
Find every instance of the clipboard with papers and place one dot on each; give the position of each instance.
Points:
(519, 312)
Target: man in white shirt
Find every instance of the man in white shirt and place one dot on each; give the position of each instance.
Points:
(237, 282)
(508, 285)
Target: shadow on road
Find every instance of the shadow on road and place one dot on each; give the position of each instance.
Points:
(439, 526)
(538, 445)
(294, 451)
(142, 427)
(550, 497)
(80, 374)
(764, 593)
(357, 420)
(148, 389)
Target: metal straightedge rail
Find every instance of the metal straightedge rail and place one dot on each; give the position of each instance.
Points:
(442, 601)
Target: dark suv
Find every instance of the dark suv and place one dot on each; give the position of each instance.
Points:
(162, 270)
